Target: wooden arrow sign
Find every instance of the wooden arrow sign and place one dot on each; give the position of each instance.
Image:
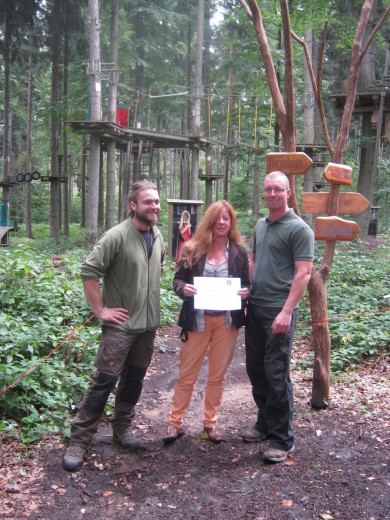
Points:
(335, 228)
(290, 163)
(338, 174)
(349, 202)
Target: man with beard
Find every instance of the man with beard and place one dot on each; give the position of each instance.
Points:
(129, 258)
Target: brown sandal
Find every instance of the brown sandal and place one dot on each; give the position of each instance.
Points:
(211, 434)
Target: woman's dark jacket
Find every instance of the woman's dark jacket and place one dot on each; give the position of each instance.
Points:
(237, 268)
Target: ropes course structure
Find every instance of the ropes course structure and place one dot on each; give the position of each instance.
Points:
(143, 129)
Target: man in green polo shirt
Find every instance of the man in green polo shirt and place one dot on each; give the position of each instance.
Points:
(280, 268)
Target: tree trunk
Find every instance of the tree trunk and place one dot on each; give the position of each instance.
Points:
(27, 207)
(184, 175)
(91, 215)
(112, 103)
(171, 175)
(158, 172)
(321, 339)
(198, 97)
(59, 169)
(111, 185)
(285, 119)
(83, 186)
(256, 184)
(188, 110)
(367, 67)
(101, 193)
(54, 128)
(308, 115)
(366, 173)
(368, 169)
(126, 180)
(66, 191)
(7, 110)
(317, 289)
(227, 134)
(206, 69)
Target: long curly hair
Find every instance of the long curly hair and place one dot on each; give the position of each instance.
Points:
(202, 241)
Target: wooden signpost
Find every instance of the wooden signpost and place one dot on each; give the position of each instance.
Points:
(338, 174)
(349, 202)
(335, 228)
(290, 163)
(332, 227)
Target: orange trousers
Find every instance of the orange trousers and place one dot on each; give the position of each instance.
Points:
(220, 343)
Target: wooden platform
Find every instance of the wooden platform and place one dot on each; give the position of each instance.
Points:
(122, 135)
(367, 100)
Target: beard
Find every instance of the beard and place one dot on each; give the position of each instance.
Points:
(147, 217)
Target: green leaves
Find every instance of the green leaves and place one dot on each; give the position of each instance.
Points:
(40, 306)
(169, 301)
(356, 286)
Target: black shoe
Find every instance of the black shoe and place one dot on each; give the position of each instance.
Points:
(172, 435)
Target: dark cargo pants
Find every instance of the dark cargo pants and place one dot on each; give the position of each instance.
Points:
(121, 356)
(268, 366)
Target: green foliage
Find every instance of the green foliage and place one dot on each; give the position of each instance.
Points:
(42, 306)
(239, 193)
(34, 294)
(381, 193)
(40, 402)
(42, 310)
(356, 288)
(169, 301)
(41, 240)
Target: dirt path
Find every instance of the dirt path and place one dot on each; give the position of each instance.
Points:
(340, 467)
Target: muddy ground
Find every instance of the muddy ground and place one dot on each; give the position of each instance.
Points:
(339, 469)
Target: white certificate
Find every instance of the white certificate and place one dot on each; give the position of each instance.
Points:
(217, 294)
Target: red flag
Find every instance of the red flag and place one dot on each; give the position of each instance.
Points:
(122, 116)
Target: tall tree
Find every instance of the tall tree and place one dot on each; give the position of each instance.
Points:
(73, 22)
(15, 16)
(112, 103)
(285, 113)
(55, 184)
(368, 163)
(66, 192)
(30, 88)
(197, 98)
(94, 70)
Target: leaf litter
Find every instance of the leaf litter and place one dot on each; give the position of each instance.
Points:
(339, 469)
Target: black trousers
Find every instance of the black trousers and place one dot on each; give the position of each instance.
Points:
(268, 358)
(122, 357)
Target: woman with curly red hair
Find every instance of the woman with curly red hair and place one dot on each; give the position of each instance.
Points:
(215, 250)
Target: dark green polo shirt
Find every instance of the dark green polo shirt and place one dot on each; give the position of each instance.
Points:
(277, 245)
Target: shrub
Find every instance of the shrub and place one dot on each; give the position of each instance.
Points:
(41, 305)
(356, 288)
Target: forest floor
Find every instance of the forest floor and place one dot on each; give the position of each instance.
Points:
(339, 469)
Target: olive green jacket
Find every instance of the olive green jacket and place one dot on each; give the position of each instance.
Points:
(130, 279)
